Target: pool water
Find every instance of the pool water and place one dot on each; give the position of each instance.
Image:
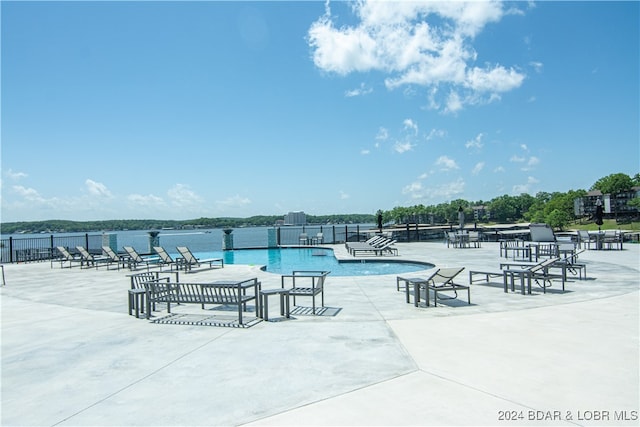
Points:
(285, 260)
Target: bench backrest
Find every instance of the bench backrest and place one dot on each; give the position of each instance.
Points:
(141, 280)
(202, 293)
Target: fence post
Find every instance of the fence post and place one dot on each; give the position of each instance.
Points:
(10, 249)
(86, 240)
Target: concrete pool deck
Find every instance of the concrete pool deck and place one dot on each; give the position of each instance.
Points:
(72, 356)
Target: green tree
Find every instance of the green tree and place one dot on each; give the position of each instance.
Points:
(613, 184)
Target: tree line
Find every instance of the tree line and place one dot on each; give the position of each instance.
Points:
(555, 209)
(62, 226)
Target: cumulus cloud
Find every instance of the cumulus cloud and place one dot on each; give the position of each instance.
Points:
(417, 191)
(97, 189)
(181, 195)
(446, 163)
(343, 195)
(15, 175)
(427, 44)
(28, 193)
(525, 188)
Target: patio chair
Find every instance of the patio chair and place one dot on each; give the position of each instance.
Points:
(189, 260)
(586, 239)
(543, 240)
(91, 260)
(538, 273)
(318, 239)
(114, 257)
(66, 256)
(308, 283)
(304, 239)
(439, 280)
(378, 248)
(611, 239)
(134, 259)
(165, 258)
(475, 239)
(370, 242)
(442, 281)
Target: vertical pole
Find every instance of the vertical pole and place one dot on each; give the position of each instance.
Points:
(10, 249)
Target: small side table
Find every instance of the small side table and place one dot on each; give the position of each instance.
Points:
(284, 302)
(137, 301)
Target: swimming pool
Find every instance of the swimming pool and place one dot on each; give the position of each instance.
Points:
(285, 260)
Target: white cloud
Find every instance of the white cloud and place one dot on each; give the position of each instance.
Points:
(383, 134)
(525, 188)
(402, 147)
(477, 168)
(362, 90)
(446, 163)
(517, 159)
(234, 201)
(28, 193)
(537, 66)
(15, 175)
(428, 44)
(181, 195)
(410, 125)
(496, 79)
(499, 169)
(364, 151)
(343, 195)
(476, 142)
(436, 133)
(148, 200)
(416, 191)
(97, 189)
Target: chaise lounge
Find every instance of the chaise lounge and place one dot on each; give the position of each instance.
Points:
(188, 260)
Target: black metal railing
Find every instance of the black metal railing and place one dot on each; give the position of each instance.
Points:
(26, 249)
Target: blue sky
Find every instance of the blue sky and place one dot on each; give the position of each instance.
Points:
(180, 110)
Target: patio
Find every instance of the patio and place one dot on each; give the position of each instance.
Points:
(71, 354)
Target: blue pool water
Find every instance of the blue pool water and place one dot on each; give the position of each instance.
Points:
(285, 260)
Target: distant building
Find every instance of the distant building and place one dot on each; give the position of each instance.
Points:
(295, 218)
(616, 204)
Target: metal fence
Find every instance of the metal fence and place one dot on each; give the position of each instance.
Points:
(26, 249)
